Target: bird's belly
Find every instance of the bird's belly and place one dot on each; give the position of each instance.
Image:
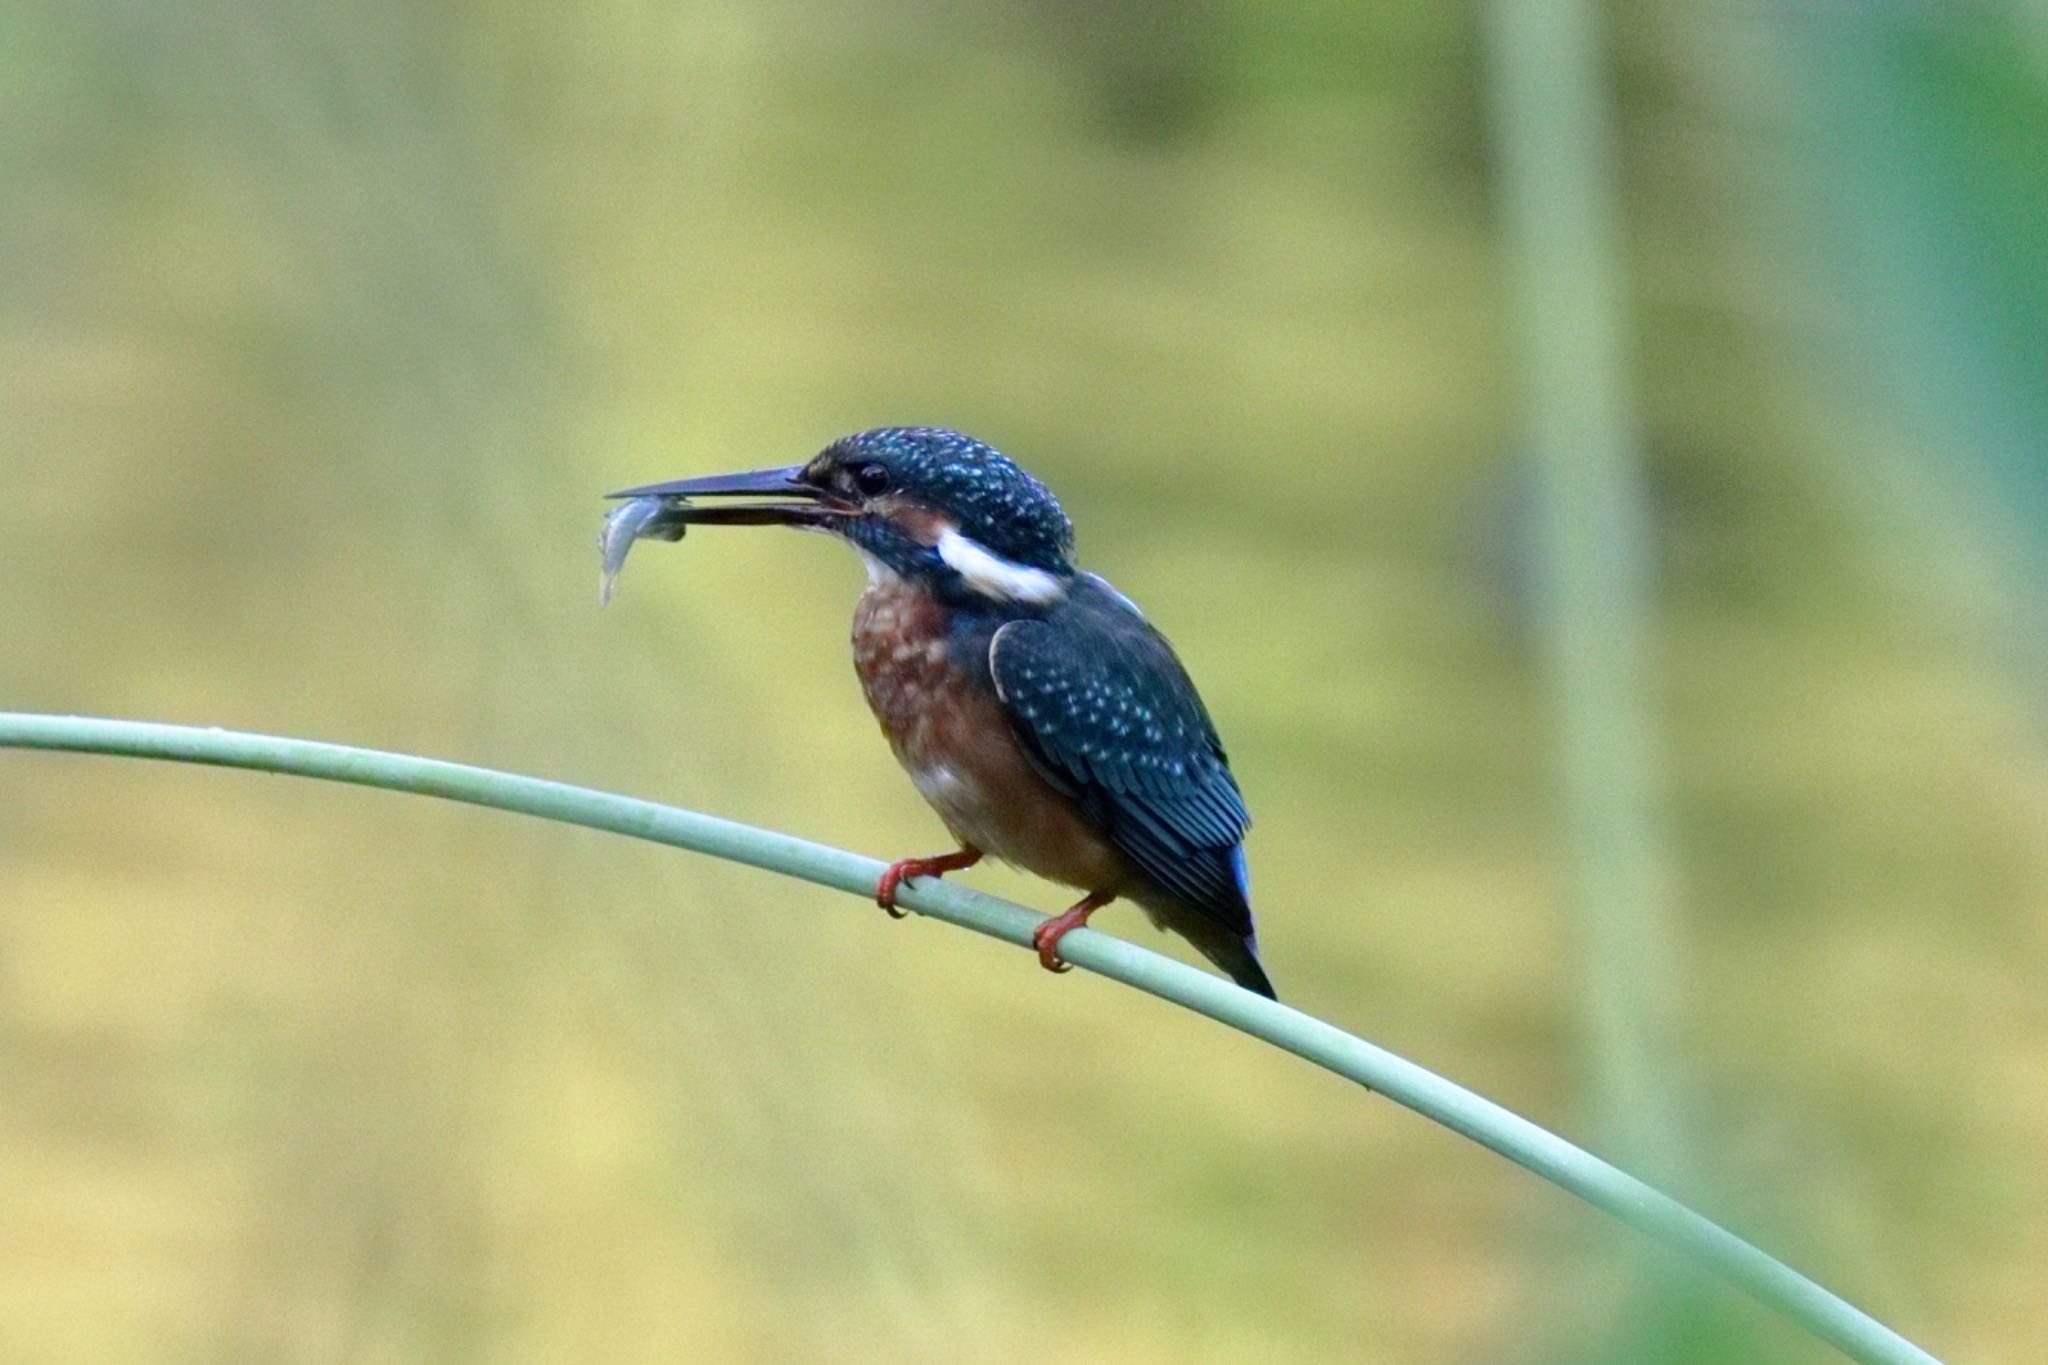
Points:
(950, 733)
(964, 803)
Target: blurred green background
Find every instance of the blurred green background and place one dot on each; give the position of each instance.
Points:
(322, 328)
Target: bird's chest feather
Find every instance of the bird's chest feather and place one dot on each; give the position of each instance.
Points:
(950, 732)
(944, 723)
(901, 652)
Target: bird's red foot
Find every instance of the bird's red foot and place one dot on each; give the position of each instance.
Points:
(903, 869)
(1046, 937)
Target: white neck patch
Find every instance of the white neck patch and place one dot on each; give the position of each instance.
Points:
(991, 575)
(878, 573)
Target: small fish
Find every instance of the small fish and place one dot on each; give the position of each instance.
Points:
(635, 519)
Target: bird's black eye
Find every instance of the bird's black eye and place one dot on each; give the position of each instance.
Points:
(872, 480)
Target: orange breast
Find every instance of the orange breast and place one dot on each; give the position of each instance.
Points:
(950, 733)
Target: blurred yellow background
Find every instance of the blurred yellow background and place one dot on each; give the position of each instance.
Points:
(322, 330)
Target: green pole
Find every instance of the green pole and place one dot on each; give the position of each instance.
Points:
(1606, 1187)
(1593, 532)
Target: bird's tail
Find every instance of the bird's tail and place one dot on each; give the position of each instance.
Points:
(1239, 959)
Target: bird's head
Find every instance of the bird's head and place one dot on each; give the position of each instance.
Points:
(925, 503)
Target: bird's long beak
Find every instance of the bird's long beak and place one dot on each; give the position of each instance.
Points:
(792, 502)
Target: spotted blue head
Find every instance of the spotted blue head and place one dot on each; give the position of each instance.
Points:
(922, 502)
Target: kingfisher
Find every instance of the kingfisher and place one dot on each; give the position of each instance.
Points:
(1038, 712)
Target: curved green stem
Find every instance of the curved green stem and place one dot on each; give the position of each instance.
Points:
(1606, 1187)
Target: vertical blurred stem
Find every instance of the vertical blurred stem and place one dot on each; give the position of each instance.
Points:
(1556, 184)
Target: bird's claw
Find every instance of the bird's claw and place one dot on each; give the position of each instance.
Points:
(903, 869)
(1046, 936)
(887, 885)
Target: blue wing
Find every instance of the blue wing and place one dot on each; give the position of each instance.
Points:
(1107, 714)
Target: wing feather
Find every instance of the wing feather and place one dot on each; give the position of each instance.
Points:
(1108, 715)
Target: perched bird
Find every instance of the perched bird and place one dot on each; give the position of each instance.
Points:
(1036, 709)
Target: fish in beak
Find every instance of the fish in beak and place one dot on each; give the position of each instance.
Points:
(665, 511)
